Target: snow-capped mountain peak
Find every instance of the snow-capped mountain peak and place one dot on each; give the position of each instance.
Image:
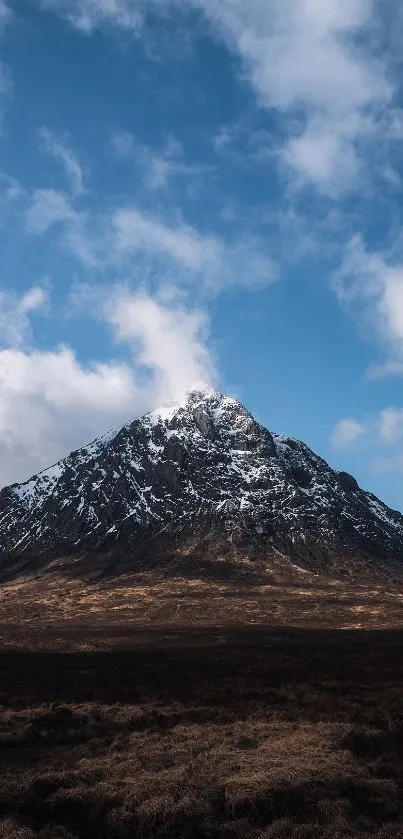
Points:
(202, 457)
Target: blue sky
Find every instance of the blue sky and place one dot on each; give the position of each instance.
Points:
(202, 190)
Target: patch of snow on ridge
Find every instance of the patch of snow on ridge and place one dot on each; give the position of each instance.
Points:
(44, 483)
(195, 394)
(380, 513)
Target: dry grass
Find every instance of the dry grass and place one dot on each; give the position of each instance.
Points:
(41, 610)
(201, 734)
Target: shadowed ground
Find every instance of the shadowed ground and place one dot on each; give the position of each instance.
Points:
(111, 728)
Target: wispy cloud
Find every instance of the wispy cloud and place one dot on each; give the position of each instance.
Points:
(317, 64)
(121, 236)
(391, 426)
(5, 13)
(346, 432)
(372, 282)
(205, 259)
(137, 231)
(47, 208)
(313, 61)
(159, 167)
(59, 149)
(15, 314)
(13, 199)
(379, 437)
(87, 15)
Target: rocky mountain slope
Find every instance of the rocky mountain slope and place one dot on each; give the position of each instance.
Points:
(199, 479)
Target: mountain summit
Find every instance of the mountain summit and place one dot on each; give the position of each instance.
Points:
(198, 479)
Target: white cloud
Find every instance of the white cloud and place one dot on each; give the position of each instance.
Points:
(87, 15)
(380, 436)
(300, 52)
(15, 311)
(50, 389)
(169, 352)
(383, 429)
(346, 432)
(326, 157)
(168, 340)
(48, 207)
(58, 148)
(375, 284)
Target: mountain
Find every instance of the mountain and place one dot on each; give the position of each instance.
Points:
(199, 480)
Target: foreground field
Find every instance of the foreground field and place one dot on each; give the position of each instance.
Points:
(200, 733)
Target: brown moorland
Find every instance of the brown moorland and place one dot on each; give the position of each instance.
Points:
(200, 710)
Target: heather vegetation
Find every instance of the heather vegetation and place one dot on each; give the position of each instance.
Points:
(221, 734)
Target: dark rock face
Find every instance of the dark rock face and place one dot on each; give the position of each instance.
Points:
(200, 476)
